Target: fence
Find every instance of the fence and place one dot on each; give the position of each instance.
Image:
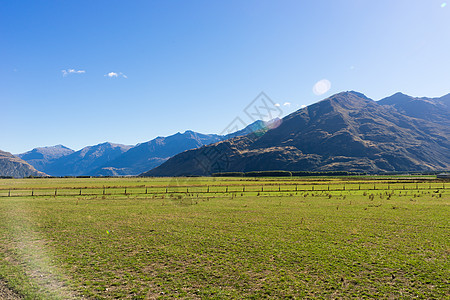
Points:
(222, 189)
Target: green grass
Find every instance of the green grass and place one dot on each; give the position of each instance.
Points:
(314, 244)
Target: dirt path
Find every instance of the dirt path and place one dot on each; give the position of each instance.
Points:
(6, 293)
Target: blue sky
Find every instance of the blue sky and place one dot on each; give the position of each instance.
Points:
(80, 73)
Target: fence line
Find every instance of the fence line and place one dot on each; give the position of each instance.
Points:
(219, 189)
(303, 183)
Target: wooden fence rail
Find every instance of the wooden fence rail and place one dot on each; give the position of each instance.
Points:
(220, 189)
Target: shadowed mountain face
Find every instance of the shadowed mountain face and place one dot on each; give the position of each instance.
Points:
(151, 154)
(346, 132)
(84, 161)
(41, 157)
(12, 166)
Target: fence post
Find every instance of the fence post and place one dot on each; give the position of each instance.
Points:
(279, 188)
(9, 193)
(226, 190)
(103, 190)
(208, 189)
(32, 192)
(146, 190)
(125, 191)
(243, 188)
(80, 192)
(56, 190)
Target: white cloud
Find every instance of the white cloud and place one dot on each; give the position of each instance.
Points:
(72, 71)
(115, 75)
(287, 104)
(277, 104)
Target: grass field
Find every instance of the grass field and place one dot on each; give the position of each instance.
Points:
(225, 238)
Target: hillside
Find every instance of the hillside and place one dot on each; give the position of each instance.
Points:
(347, 131)
(11, 166)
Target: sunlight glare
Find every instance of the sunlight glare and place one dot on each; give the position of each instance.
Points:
(321, 87)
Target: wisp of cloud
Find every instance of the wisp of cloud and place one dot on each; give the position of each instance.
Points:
(72, 71)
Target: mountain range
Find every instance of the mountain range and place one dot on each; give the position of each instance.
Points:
(84, 161)
(109, 159)
(346, 131)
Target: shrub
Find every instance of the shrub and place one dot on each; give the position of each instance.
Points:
(268, 174)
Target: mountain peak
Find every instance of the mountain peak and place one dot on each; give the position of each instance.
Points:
(108, 145)
(400, 94)
(347, 95)
(358, 94)
(431, 109)
(59, 146)
(347, 100)
(38, 157)
(347, 131)
(396, 98)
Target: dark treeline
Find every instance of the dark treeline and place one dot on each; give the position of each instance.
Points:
(436, 172)
(284, 174)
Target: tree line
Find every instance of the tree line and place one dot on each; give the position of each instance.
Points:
(284, 173)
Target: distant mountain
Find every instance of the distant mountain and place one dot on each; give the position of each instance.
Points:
(43, 156)
(436, 110)
(347, 131)
(12, 166)
(118, 160)
(151, 154)
(148, 155)
(445, 100)
(252, 128)
(82, 162)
